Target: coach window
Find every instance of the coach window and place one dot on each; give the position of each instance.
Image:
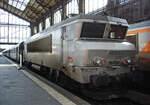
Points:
(41, 45)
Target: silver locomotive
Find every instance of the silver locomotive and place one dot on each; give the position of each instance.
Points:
(89, 50)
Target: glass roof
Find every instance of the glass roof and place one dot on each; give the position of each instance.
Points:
(19, 4)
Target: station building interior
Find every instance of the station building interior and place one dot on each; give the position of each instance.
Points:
(26, 24)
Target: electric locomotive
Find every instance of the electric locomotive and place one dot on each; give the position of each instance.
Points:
(89, 50)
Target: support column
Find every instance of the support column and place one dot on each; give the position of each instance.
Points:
(64, 9)
(81, 4)
(52, 18)
(43, 24)
(32, 29)
(37, 25)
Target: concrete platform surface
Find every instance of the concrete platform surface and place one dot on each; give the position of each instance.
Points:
(18, 89)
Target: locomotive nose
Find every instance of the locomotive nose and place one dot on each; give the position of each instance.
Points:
(95, 54)
(99, 81)
(99, 61)
(123, 80)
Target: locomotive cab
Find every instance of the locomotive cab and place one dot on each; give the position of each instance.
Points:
(100, 51)
(99, 41)
(89, 50)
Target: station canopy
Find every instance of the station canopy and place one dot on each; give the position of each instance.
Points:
(29, 10)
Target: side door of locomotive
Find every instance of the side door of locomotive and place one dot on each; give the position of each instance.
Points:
(64, 48)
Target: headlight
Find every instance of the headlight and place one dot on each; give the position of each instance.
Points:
(127, 61)
(70, 59)
(99, 61)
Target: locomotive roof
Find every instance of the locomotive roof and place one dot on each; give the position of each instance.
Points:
(90, 17)
(83, 17)
(94, 17)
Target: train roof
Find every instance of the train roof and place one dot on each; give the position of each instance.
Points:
(84, 17)
(140, 24)
(95, 17)
(90, 17)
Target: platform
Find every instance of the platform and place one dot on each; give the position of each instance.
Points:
(19, 87)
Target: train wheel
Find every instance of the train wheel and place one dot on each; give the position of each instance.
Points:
(44, 70)
(49, 76)
(29, 64)
(61, 80)
(52, 75)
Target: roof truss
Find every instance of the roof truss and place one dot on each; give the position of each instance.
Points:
(34, 11)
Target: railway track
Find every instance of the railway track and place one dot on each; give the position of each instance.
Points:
(130, 98)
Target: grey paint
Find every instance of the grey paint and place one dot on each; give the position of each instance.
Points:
(66, 43)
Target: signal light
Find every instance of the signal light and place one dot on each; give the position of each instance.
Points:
(99, 61)
(125, 61)
(103, 62)
(70, 59)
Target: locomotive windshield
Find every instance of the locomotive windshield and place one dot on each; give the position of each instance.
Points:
(96, 30)
(117, 32)
(92, 30)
